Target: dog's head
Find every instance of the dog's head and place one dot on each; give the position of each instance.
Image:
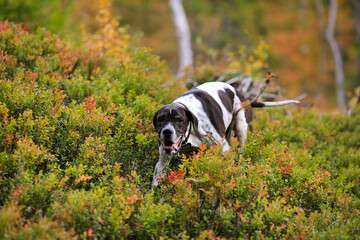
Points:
(172, 123)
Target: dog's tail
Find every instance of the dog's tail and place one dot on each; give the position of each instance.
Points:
(273, 104)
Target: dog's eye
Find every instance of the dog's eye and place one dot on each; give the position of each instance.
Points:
(178, 119)
(161, 119)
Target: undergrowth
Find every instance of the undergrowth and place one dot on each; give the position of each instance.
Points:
(77, 152)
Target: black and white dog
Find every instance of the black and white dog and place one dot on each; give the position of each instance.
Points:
(211, 112)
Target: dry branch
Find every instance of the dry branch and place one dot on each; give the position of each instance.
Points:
(252, 90)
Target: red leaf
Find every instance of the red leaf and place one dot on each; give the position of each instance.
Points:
(33, 210)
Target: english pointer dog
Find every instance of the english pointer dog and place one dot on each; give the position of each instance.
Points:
(211, 112)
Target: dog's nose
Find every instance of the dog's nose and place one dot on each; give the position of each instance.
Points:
(167, 132)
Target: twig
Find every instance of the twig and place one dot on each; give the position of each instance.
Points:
(269, 77)
(252, 199)
(220, 79)
(301, 97)
(275, 104)
(214, 205)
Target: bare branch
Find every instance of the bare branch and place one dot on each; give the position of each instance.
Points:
(280, 103)
(245, 84)
(267, 81)
(301, 97)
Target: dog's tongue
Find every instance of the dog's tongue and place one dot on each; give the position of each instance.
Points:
(174, 146)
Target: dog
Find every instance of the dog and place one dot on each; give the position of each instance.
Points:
(211, 112)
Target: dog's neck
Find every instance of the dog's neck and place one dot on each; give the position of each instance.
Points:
(185, 142)
(189, 127)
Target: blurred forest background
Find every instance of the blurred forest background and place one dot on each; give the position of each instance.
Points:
(78, 146)
(289, 34)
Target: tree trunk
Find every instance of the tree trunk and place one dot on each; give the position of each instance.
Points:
(357, 29)
(322, 51)
(184, 36)
(339, 71)
(302, 11)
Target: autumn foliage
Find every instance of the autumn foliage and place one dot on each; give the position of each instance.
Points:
(77, 152)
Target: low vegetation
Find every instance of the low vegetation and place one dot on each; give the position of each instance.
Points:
(77, 152)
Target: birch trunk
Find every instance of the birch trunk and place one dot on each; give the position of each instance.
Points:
(184, 36)
(302, 11)
(339, 70)
(322, 51)
(357, 28)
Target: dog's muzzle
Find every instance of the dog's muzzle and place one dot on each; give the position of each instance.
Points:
(173, 148)
(169, 140)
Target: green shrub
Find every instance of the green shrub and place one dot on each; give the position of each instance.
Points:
(105, 213)
(13, 226)
(78, 150)
(332, 141)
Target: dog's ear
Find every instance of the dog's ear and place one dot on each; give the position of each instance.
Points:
(193, 120)
(155, 120)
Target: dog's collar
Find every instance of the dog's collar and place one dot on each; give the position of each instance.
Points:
(187, 138)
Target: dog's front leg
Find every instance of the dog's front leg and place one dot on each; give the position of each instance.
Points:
(164, 160)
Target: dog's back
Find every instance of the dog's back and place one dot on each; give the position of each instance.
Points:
(214, 104)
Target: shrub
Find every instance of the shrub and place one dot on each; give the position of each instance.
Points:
(12, 226)
(325, 138)
(77, 153)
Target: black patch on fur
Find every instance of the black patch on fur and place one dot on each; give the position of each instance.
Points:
(227, 99)
(211, 108)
